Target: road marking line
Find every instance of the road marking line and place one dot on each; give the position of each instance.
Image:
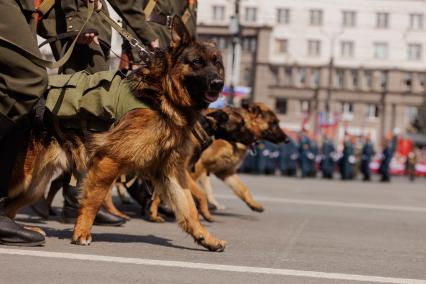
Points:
(332, 203)
(209, 266)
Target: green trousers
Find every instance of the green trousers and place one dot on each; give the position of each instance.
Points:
(22, 83)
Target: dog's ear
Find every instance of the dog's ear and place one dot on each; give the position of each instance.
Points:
(220, 116)
(252, 108)
(180, 34)
(245, 104)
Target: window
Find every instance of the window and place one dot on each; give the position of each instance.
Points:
(368, 78)
(383, 79)
(381, 50)
(416, 21)
(315, 17)
(348, 19)
(283, 16)
(288, 75)
(301, 76)
(414, 51)
(340, 78)
(347, 108)
(251, 14)
(354, 77)
(221, 42)
(382, 20)
(281, 105)
(305, 106)
(421, 77)
(408, 79)
(372, 111)
(316, 77)
(248, 44)
(281, 46)
(314, 47)
(347, 49)
(411, 113)
(218, 13)
(347, 111)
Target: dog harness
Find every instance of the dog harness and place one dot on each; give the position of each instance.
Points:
(90, 102)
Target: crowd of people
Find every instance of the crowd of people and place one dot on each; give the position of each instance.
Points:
(304, 157)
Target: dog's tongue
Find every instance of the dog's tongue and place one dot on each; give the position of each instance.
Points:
(211, 97)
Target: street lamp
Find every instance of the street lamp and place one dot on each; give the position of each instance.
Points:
(234, 29)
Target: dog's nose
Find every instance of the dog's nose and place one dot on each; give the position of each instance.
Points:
(216, 85)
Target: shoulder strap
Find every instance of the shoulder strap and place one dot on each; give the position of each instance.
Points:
(45, 7)
(149, 8)
(52, 64)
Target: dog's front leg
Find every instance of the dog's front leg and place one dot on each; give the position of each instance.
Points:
(241, 190)
(98, 181)
(187, 216)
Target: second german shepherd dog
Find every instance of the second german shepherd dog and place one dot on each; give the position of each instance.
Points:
(155, 143)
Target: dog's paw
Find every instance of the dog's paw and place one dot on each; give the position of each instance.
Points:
(156, 219)
(81, 239)
(208, 217)
(36, 229)
(212, 244)
(256, 207)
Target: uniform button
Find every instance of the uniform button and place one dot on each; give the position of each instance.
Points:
(70, 27)
(69, 18)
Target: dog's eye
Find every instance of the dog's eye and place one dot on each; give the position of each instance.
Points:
(197, 61)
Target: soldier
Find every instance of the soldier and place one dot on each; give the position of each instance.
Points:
(22, 83)
(158, 15)
(288, 158)
(328, 163)
(313, 158)
(305, 154)
(367, 154)
(387, 155)
(348, 160)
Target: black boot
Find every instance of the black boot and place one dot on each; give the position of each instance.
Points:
(12, 234)
(70, 210)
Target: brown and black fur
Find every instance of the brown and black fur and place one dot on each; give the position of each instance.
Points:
(227, 125)
(178, 84)
(223, 158)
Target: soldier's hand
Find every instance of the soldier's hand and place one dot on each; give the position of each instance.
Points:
(98, 4)
(155, 43)
(88, 38)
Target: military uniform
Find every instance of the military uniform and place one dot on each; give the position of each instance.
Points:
(328, 164)
(160, 18)
(22, 83)
(347, 161)
(305, 155)
(367, 154)
(288, 158)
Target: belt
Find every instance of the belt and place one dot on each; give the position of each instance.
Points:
(160, 19)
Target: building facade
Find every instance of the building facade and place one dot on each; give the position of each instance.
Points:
(365, 63)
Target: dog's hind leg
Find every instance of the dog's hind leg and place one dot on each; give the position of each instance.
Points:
(153, 209)
(109, 205)
(98, 181)
(200, 197)
(207, 187)
(241, 190)
(187, 216)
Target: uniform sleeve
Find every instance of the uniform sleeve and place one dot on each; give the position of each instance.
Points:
(131, 11)
(74, 14)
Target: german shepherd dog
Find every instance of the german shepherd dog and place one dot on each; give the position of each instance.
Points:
(223, 158)
(227, 125)
(178, 83)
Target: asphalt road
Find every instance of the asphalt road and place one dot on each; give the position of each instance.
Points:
(312, 231)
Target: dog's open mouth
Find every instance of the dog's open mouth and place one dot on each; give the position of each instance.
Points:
(210, 97)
